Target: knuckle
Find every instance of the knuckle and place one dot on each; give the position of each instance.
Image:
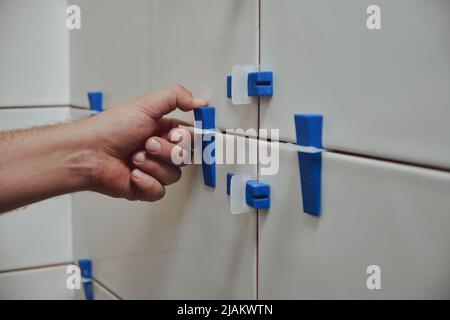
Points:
(159, 195)
(173, 176)
(156, 190)
(133, 195)
(180, 89)
(152, 186)
(176, 87)
(151, 166)
(177, 174)
(179, 86)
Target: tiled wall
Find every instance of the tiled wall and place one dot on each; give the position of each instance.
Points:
(34, 90)
(187, 245)
(385, 169)
(34, 60)
(46, 283)
(382, 93)
(385, 103)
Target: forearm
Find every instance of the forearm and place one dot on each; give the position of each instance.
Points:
(122, 152)
(40, 163)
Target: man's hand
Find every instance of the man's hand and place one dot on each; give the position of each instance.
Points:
(122, 152)
(122, 134)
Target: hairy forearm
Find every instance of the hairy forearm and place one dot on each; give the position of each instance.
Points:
(122, 152)
(40, 163)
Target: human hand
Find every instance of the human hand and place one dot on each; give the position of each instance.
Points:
(130, 148)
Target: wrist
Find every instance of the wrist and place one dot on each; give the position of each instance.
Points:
(83, 159)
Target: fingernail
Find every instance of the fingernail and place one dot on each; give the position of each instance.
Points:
(153, 145)
(138, 174)
(200, 102)
(139, 157)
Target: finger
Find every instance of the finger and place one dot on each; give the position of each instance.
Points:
(181, 136)
(168, 124)
(163, 102)
(148, 188)
(162, 171)
(166, 151)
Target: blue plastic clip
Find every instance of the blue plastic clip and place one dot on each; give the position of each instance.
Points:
(260, 84)
(86, 278)
(229, 176)
(257, 194)
(308, 128)
(96, 101)
(229, 86)
(207, 118)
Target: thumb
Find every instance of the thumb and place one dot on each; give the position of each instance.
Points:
(160, 103)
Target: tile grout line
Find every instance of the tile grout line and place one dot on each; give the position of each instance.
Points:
(388, 160)
(337, 151)
(41, 106)
(257, 150)
(350, 154)
(46, 266)
(56, 265)
(107, 289)
(101, 284)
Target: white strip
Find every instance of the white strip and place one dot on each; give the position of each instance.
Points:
(290, 146)
(198, 130)
(238, 204)
(86, 280)
(239, 84)
(296, 147)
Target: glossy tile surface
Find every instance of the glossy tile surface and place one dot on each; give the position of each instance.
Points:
(23, 118)
(381, 92)
(373, 213)
(39, 234)
(34, 55)
(47, 283)
(111, 52)
(37, 284)
(186, 246)
(138, 46)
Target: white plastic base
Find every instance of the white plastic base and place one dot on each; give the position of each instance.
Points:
(238, 204)
(239, 84)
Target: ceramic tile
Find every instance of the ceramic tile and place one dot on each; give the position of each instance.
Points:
(138, 46)
(37, 284)
(381, 92)
(34, 59)
(373, 213)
